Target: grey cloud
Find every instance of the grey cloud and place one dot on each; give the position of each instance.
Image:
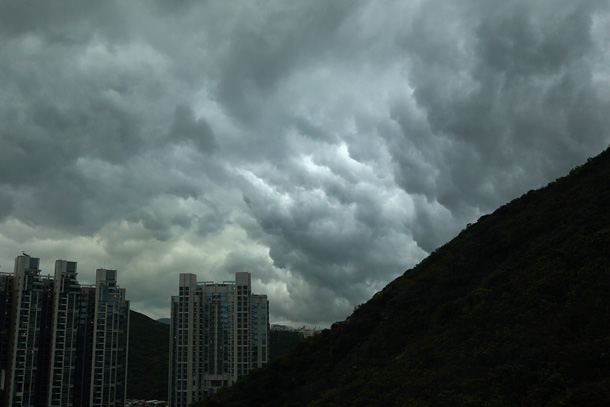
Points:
(309, 302)
(333, 234)
(313, 130)
(261, 55)
(521, 42)
(113, 131)
(237, 261)
(6, 204)
(186, 127)
(182, 219)
(177, 6)
(325, 147)
(68, 23)
(210, 223)
(516, 87)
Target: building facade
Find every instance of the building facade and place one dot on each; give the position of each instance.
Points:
(218, 333)
(110, 342)
(49, 351)
(64, 335)
(29, 335)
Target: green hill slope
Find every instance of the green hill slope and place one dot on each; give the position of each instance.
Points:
(515, 311)
(281, 342)
(148, 358)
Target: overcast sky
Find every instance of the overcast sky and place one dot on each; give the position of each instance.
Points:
(324, 146)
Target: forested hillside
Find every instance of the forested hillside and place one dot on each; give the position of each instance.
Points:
(515, 311)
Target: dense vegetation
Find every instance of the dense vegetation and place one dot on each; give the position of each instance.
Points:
(148, 358)
(515, 311)
(282, 341)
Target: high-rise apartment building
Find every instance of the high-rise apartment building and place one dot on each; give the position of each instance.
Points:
(219, 332)
(64, 335)
(110, 342)
(6, 304)
(61, 344)
(29, 335)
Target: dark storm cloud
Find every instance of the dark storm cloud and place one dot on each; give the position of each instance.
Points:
(269, 44)
(324, 147)
(186, 127)
(515, 88)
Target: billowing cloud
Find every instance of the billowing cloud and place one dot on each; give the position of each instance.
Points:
(324, 148)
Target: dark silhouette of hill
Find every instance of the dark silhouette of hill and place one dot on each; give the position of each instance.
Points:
(281, 342)
(514, 311)
(148, 358)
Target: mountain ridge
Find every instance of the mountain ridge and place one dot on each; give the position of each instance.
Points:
(512, 311)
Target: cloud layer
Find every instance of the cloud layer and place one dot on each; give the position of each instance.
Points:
(325, 148)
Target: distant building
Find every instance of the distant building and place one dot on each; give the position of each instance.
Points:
(282, 328)
(146, 403)
(62, 344)
(308, 332)
(218, 333)
(305, 331)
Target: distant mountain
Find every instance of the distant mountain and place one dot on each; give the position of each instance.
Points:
(165, 321)
(148, 358)
(515, 311)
